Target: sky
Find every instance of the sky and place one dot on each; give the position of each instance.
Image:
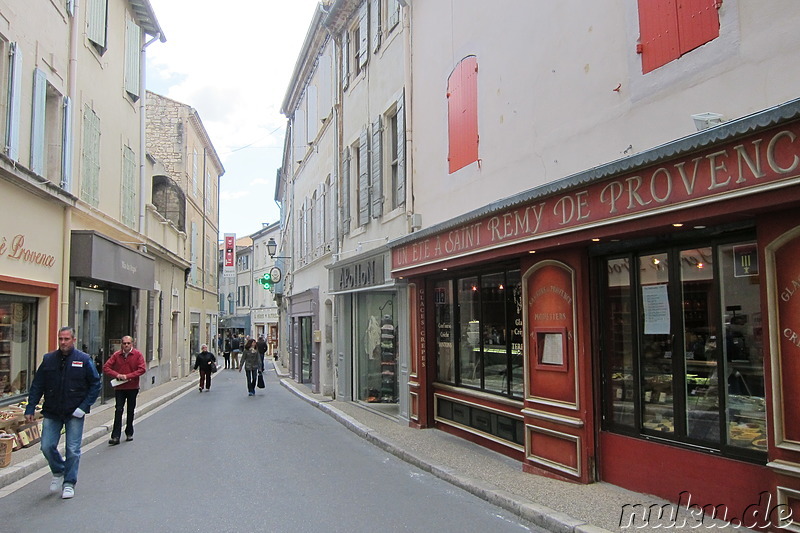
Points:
(232, 61)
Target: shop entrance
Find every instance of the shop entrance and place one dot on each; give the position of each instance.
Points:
(306, 349)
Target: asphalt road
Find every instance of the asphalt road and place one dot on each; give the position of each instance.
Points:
(222, 461)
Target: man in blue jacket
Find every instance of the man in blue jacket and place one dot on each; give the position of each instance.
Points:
(69, 381)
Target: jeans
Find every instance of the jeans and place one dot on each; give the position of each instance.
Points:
(205, 376)
(123, 396)
(252, 376)
(51, 433)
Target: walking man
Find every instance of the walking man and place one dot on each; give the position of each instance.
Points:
(69, 381)
(125, 365)
(262, 347)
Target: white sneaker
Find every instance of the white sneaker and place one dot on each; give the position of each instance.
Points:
(55, 483)
(68, 492)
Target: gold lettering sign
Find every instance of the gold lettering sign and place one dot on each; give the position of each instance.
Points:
(15, 250)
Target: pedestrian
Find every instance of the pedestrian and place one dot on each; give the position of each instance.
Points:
(252, 366)
(226, 351)
(125, 366)
(69, 381)
(261, 346)
(236, 349)
(206, 363)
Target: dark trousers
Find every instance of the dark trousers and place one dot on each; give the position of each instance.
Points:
(227, 356)
(205, 377)
(122, 397)
(252, 376)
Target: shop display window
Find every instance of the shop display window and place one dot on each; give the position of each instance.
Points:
(17, 344)
(479, 332)
(682, 347)
(376, 348)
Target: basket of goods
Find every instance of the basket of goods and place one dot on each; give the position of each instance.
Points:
(11, 416)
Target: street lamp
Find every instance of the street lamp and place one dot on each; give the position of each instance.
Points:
(272, 249)
(230, 303)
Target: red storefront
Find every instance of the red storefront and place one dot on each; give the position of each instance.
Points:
(637, 323)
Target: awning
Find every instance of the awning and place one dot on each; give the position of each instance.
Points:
(95, 256)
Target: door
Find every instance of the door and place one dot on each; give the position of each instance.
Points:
(306, 349)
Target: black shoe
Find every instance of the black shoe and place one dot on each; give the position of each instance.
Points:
(113, 441)
(128, 438)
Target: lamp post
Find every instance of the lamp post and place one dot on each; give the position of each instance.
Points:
(230, 303)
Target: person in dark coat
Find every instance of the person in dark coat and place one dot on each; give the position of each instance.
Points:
(204, 362)
(69, 381)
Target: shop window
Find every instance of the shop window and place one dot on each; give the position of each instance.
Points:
(671, 28)
(479, 332)
(462, 114)
(17, 344)
(376, 348)
(482, 421)
(682, 347)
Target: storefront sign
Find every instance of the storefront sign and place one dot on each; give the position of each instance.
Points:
(745, 260)
(787, 271)
(717, 172)
(14, 249)
(369, 273)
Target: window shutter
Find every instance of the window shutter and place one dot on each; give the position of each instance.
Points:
(14, 103)
(394, 13)
(97, 14)
(363, 178)
(320, 222)
(462, 114)
(345, 201)
(345, 60)
(376, 189)
(363, 36)
(658, 33)
(312, 121)
(194, 253)
(698, 23)
(66, 147)
(376, 25)
(38, 121)
(132, 48)
(401, 150)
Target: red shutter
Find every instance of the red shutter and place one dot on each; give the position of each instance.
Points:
(658, 33)
(462, 114)
(698, 23)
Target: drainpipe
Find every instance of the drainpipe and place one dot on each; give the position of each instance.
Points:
(142, 141)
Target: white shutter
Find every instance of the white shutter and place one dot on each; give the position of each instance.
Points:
(376, 24)
(14, 103)
(313, 115)
(345, 201)
(96, 22)
(132, 57)
(363, 36)
(345, 60)
(66, 147)
(194, 253)
(376, 191)
(38, 121)
(394, 13)
(401, 150)
(363, 178)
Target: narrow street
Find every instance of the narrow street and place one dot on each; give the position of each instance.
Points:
(223, 461)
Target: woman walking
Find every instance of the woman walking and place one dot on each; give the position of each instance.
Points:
(251, 362)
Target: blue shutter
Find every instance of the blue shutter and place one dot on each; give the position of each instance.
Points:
(376, 189)
(14, 103)
(38, 121)
(66, 147)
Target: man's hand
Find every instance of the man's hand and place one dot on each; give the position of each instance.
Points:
(29, 418)
(122, 377)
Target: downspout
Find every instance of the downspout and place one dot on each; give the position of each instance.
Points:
(142, 140)
(72, 90)
(408, 96)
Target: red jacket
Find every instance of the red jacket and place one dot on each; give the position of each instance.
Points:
(131, 366)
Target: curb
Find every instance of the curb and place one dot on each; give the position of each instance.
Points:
(534, 513)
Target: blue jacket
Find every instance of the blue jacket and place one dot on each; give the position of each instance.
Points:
(67, 382)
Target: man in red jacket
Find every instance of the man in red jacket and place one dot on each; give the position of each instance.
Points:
(125, 365)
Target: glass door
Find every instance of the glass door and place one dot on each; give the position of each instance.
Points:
(305, 349)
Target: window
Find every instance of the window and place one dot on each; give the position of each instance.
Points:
(682, 347)
(48, 129)
(129, 206)
(360, 40)
(478, 322)
(462, 114)
(397, 154)
(90, 182)
(133, 44)
(393, 13)
(97, 24)
(671, 28)
(18, 328)
(169, 200)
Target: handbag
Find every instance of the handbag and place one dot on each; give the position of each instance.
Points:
(260, 383)
(212, 366)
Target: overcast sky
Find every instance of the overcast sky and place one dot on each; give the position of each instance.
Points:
(232, 61)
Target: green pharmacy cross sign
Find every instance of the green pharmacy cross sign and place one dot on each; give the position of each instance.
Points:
(269, 279)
